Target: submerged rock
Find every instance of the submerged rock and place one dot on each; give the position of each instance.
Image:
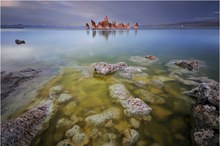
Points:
(78, 137)
(66, 142)
(140, 83)
(155, 83)
(133, 69)
(64, 97)
(125, 75)
(150, 57)
(106, 139)
(105, 68)
(151, 98)
(142, 60)
(102, 118)
(18, 42)
(132, 106)
(134, 123)
(54, 91)
(10, 81)
(130, 137)
(22, 130)
(64, 123)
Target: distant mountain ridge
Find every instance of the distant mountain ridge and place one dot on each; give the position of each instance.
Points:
(192, 24)
(189, 24)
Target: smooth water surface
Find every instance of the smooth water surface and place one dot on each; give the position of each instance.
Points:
(169, 123)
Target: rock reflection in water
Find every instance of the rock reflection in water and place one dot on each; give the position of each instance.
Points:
(107, 33)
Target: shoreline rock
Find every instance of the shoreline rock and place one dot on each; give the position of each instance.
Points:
(22, 130)
(206, 112)
(11, 80)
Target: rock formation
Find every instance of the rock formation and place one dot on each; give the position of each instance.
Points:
(132, 106)
(188, 64)
(93, 24)
(22, 130)
(18, 42)
(105, 68)
(136, 26)
(206, 112)
(87, 26)
(105, 24)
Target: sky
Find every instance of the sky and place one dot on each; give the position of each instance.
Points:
(70, 13)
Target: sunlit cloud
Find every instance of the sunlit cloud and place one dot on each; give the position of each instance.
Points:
(9, 3)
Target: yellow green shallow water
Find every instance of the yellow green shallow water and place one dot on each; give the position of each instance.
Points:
(169, 124)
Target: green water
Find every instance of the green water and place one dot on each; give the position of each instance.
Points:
(169, 123)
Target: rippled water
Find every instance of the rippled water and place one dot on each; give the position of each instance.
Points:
(72, 50)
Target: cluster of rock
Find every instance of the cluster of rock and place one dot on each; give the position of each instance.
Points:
(105, 24)
(11, 80)
(22, 130)
(132, 106)
(206, 112)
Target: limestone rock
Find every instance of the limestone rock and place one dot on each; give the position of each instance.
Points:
(130, 137)
(132, 106)
(206, 116)
(64, 123)
(105, 68)
(54, 91)
(102, 118)
(66, 142)
(22, 130)
(134, 123)
(64, 97)
(203, 136)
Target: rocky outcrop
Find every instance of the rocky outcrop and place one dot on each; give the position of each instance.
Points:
(18, 42)
(132, 106)
(136, 26)
(188, 64)
(93, 24)
(87, 26)
(206, 112)
(22, 130)
(105, 24)
(105, 68)
(10, 81)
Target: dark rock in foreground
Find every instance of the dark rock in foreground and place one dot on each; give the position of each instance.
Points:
(22, 130)
(18, 42)
(206, 112)
(11, 80)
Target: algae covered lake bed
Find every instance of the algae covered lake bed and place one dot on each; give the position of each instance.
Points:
(68, 55)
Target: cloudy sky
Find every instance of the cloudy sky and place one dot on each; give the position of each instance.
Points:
(69, 13)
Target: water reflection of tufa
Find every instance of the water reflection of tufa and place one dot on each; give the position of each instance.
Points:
(107, 33)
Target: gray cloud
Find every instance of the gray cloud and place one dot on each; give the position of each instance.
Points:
(70, 13)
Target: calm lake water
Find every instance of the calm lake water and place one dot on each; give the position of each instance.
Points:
(170, 123)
